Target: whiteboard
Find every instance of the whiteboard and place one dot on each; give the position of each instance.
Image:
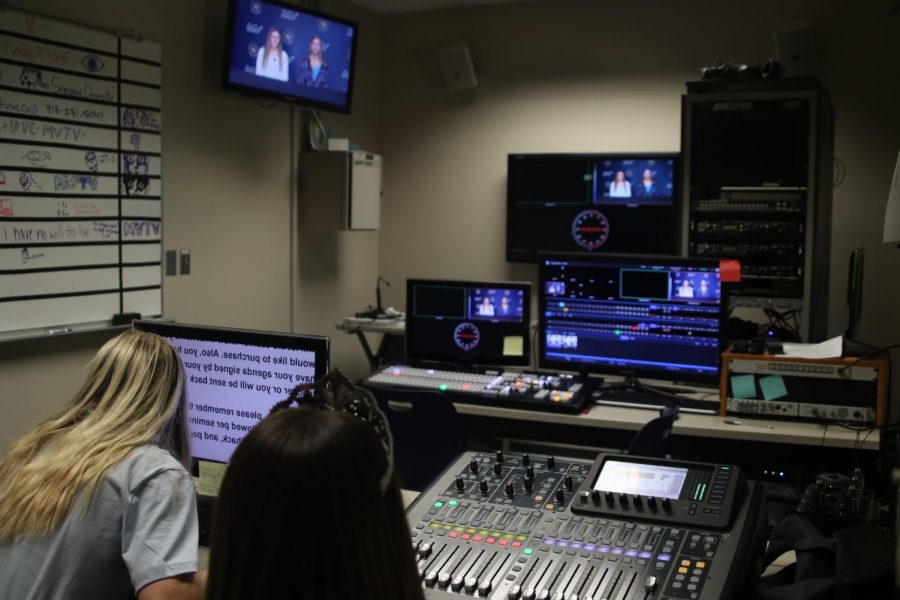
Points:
(80, 176)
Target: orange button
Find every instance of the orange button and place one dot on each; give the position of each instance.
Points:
(516, 544)
(682, 570)
(700, 565)
(465, 536)
(478, 538)
(490, 540)
(685, 563)
(452, 534)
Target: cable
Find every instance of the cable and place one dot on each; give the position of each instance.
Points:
(840, 172)
(318, 136)
(868, 354)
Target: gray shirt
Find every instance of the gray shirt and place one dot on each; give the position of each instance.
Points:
(140, 527)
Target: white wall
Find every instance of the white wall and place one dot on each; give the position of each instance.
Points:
(608, 76)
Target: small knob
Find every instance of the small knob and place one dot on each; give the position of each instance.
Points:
(460, 483)
(560, 495)
(529, 483)
(623, 499)
(666, 504)
(514, 592)
(567, 480)
(609, 497)
(431, 578)
(425, 550)
(509, 489)
(473, 466)
(636, 500)
(526, 460)
(651, 501)
(482, 485)
(498, 468)
(499, 456)
(650, 584)
(595, 496)
(529, 472)
(551, 462)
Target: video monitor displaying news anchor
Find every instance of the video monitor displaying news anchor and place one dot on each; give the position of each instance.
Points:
(291, 53)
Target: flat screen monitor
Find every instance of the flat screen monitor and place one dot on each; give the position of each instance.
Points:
(235, 376)
(635, 316)
(470, 322)
(283, 51)
(592, 203)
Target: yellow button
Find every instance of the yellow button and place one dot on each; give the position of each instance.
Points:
(700, 565)
(685, 563)
(682, 570)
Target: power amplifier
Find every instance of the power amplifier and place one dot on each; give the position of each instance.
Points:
(824, 390)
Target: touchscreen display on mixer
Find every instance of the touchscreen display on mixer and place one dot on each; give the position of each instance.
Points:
(643, 479)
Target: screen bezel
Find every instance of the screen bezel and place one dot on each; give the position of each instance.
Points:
(711, 379)
(501, 360)
(295, 99)
(319, 345)
(530, 254)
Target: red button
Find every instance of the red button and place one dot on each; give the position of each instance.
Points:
(516, 544)
(465, 536)
(490, 540)
(504, 542)
(453, 534)
(478, 538)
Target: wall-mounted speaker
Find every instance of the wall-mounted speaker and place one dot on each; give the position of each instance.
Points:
(457, 68)
(795, 49)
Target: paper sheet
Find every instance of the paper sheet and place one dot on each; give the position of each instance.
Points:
(832, 348)
(210, 480)
(743, 386)
(773, 387)
(513, 345)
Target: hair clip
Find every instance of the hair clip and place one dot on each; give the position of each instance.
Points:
(336, 392)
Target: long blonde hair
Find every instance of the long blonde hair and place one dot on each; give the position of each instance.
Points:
(268, 47)
(132, 395)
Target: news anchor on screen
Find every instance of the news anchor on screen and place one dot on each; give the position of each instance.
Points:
(647, 186)
(620, 187)
(272, 60)
(313, 70)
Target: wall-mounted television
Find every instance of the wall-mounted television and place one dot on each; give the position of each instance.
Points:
(282, 51)
(592, 203)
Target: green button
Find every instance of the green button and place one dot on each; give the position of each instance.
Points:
(528, 551)
(443, 387)
(724, 468)
(453, 503)
(438, 504)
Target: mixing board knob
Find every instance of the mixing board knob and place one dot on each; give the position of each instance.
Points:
(460, 483)
(544, 594)
(443, 580)
(474, 466)
(484, 589)
(584, 497)
(529, 483)
(425, 550)
(609, 497)
(560, 495)
(595, 496)
(457, 583)
(509, 489)
(482, 485)
(499, 456)
(514, 592)
(551, 462)
(636, 500)
(650, 584)
(528, 594)
(529, 472)
(471, 584)
(526, 460)
(666, 504)
(567, 480)
(498, 469)
(623, 498)
(431, 578)
(651, 501)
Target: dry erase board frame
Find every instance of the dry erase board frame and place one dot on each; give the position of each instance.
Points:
(80, 176)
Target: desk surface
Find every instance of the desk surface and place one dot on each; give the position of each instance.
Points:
(708, 426)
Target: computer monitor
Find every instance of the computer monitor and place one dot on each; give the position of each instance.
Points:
(634, 316)
(235, 376)
(592, 203)
(469, 322)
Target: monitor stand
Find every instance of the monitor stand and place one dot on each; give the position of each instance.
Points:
(633, 384)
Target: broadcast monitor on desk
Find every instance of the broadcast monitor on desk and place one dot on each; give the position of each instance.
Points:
(592, 203)
(235, 376)
(468, 322)
(649, 317)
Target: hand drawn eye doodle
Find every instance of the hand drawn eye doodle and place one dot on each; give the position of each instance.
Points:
(37, 156)
(93, 63)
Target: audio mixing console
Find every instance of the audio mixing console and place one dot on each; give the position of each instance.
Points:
(509, 389)
(515, 527)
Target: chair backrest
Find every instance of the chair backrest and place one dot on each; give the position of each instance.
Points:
(653, 438)
(428, 432)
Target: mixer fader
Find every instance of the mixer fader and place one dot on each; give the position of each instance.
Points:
(525, 527)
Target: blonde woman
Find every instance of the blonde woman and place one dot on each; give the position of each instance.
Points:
(272, 60)
(96, 502)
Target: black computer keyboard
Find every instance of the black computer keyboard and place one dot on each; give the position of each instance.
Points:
(655, 401)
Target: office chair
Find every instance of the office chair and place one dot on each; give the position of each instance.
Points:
(653, 437)
(428, 432)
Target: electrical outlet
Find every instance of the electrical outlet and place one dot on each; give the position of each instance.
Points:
(185, 254)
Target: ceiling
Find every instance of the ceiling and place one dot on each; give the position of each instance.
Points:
(400, 6)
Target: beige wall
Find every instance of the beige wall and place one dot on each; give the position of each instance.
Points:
(608, 76)
(553, 76)
(228, 196)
